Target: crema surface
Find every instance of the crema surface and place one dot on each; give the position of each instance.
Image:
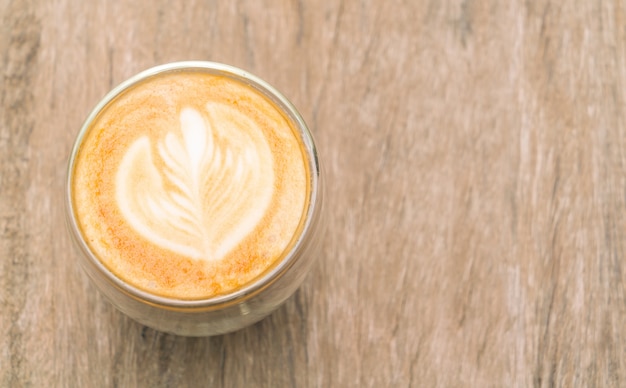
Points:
(190, 185)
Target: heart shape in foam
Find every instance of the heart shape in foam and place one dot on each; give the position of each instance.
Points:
(207, 188)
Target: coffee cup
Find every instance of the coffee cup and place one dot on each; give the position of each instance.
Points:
(195, 195)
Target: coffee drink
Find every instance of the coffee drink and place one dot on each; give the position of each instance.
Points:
(195, 196)
(190, 184)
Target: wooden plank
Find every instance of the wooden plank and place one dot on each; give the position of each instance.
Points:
(475, 154)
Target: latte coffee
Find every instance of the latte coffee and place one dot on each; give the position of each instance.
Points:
(191, 185)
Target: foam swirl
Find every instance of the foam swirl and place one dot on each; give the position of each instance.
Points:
(200, 189)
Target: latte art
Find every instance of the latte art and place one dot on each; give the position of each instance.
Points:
(211, 189)
(190, 185)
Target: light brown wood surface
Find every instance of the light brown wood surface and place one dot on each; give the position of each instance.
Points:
(476, 160)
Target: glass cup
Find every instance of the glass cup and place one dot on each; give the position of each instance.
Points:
(245, 305)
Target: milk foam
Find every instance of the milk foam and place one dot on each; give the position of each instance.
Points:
(200, 189)
(190, 185)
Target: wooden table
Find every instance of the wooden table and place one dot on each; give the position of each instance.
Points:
(476, 156)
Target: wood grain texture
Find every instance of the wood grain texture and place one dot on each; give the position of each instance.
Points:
(476, 157)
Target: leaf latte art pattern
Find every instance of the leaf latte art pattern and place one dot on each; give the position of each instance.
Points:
(201, 190)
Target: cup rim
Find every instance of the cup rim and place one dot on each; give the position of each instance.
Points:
(289, 256)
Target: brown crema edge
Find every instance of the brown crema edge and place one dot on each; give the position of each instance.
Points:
(151, 108)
